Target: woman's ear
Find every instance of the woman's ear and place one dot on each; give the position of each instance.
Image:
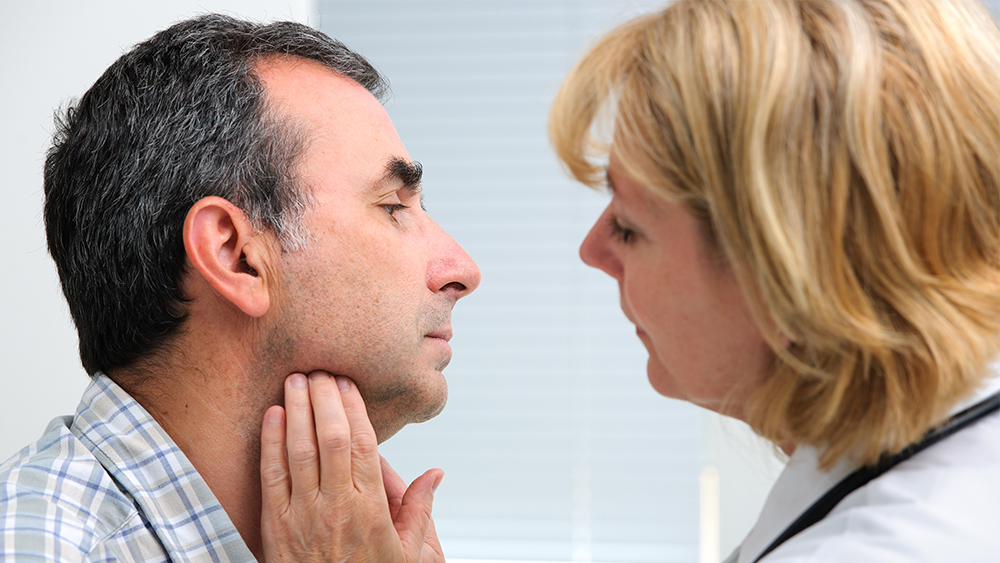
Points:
(223, 247)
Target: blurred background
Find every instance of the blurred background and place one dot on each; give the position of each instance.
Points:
(555, 446)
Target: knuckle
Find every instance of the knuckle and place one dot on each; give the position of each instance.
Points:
(365, 447)
(272, 477)
(336, 439)
(302, 451)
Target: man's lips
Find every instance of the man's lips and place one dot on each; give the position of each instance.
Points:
(443, 334)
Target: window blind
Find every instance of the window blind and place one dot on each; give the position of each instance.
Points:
(555, 446)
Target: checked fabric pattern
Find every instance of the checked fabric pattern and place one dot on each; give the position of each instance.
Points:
(108, 484)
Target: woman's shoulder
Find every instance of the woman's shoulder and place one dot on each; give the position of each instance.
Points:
(942, 504)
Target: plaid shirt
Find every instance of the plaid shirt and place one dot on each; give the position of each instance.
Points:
(109, 485)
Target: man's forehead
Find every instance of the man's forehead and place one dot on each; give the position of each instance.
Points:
(346, 127)
(306, 89)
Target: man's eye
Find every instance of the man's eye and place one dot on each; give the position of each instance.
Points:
(392, 208)
(621, 234)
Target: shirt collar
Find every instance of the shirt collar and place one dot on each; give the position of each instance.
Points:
(175, 501)
(802, 482)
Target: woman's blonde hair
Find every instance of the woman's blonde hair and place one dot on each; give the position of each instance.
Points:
(844, 155)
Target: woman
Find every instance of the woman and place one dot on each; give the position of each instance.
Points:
(805, 229)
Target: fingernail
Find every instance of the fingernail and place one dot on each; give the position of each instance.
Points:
(274, 416)
(298, 381)
(437, 483)
(318, 375)
(343, 384)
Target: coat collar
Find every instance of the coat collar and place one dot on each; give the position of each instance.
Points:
(802, 483)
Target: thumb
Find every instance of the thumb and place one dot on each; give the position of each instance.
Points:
(395, 487)
(414, 517)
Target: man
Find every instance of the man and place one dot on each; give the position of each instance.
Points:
(227, 205)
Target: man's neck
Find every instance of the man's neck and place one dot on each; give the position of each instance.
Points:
(213, 412)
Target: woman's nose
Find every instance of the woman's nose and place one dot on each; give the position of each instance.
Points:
(596, 250)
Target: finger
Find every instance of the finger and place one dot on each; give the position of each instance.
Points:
(333, 435)
(303, 457)
(395, 487)
(414, 516)
(365, 465)
(275, 489)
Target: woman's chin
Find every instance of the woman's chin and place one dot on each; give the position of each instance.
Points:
(661, 380)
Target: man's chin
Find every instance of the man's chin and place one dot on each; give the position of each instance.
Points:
(387, 429)
(409, 409)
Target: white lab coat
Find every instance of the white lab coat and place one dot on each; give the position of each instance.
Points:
(941, 505)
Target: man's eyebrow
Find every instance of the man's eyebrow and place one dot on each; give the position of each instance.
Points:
(607, 180)
(403, 171)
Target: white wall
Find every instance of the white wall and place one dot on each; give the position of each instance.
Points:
(51, 51)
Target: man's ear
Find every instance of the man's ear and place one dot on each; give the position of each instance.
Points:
(223, 247)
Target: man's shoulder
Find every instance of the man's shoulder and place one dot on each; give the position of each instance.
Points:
(55, 495)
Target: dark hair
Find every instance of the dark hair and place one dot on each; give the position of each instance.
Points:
(178, 118)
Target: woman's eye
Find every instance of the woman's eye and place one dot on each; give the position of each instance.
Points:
(621, 234)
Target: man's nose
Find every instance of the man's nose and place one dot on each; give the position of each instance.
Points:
(453, 270)
(595, 250)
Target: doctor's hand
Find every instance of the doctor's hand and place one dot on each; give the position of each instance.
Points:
(327, 494)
